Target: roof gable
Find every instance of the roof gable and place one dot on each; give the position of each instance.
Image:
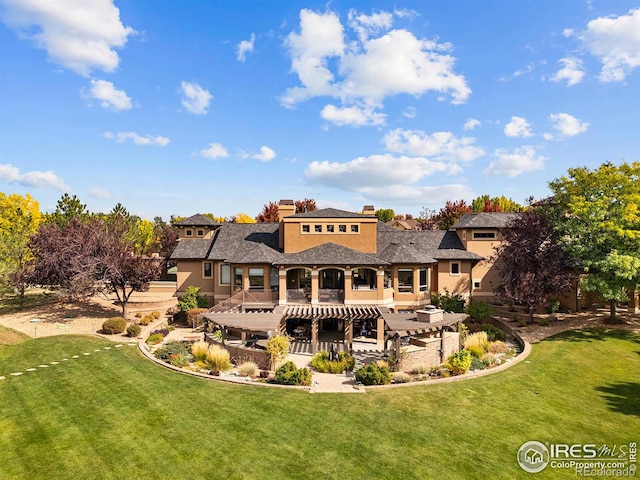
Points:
(484, 220)
(197, 220)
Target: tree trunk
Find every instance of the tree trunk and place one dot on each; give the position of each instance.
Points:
(612, 311)
(530, 313)
(123, 304)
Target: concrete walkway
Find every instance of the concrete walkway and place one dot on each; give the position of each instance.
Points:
(330, 383)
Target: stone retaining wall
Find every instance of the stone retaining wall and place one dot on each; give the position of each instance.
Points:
(430, 354)
(242, 354)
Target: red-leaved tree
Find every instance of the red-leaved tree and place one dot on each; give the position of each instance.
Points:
(531, 264)
(446, 217)
(86, 258)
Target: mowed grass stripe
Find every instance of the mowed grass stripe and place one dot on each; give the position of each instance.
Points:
(120, 416)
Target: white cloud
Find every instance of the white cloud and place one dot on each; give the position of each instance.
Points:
(410, 112)
(97, 192)
(426, 195)
(615, 40)
(109, 96)
(215, 150)
(515, 162)
(365, 25)
(472, 123)
(266, 154)
(376, 171)
(518, 127)
(329, 63)
(443, 146)
(572, 71)
(567, 125)
(195, 98)
(353, 116)
(121, 137)
(36, 178)
(244, 47)
(78, 34)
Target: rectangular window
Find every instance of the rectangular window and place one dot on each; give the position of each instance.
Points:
(189, 233)
(207, 270)
(484, 235)
(476, 284)
(354, 228)
(306, 228)
(405, 280)
(275, 279)
(424, 280)
(342, 228)
(455, 268)
(237, 278)
(200, 233)
(330, 228)
(256, 278)
(317, 228)
(225, 274)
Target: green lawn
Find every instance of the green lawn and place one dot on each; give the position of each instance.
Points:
(114, 414)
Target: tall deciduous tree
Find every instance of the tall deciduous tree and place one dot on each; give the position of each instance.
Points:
(269, 213)
(85, 258)
(485, 203)
(531, 263)
(385, 214)
(306, 205)
(19, 219)
(242, 218)
(598, 222)
(446, 217)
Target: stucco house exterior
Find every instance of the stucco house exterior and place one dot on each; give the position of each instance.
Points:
(334, 270)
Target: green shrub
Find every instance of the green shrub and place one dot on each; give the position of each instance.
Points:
(192, 316)
(218, 358)
(146, 320)
(489, 360)
(477, 364)
(138, 315)
(553, 307)
(199, 351)
(459, 362)
(277, 349)
(289, 374)
(420, 369)
(401, 377)
(544, 321)
(477, 344)
(373, 374)
(155, 314)
(493, 332)
(449, 301)
(248, 369)
(479, 311)
(114, 325)
(522, 323)
(192, 299)
(345, 362)
(178, 360)
(133, 330)
(172, 348)
(155, 338)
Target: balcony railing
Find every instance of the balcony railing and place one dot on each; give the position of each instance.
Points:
(326, 295)
(298, 295)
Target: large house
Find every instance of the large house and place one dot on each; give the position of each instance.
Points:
(338, 270)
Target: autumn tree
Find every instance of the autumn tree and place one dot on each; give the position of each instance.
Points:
(531, 263)
(306, 205)
(19, 219)
(85, 258)
(446, 217)
(241, 218)
(269, 213)
(597, 218)
(485, 203)
(385, 214)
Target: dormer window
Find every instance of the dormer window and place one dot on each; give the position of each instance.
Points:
(200, 233)
(330, 228)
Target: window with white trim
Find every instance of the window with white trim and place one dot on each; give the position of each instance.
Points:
(256, 278)
(477, 284)
(207, 270)
(405, 280)
(330, 228)
(317, 228)
(424, 280)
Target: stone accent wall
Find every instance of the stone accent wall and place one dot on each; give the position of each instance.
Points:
(242, 354)
(429, 355)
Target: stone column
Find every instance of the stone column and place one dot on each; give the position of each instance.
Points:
(380, 285)
(282, 285)
(315, 285)
(380, 334)
(348, 334)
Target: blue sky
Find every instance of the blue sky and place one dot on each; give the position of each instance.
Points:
(215, 106)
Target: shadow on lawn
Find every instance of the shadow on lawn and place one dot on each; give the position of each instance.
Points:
(622, 397)
(593, 335)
